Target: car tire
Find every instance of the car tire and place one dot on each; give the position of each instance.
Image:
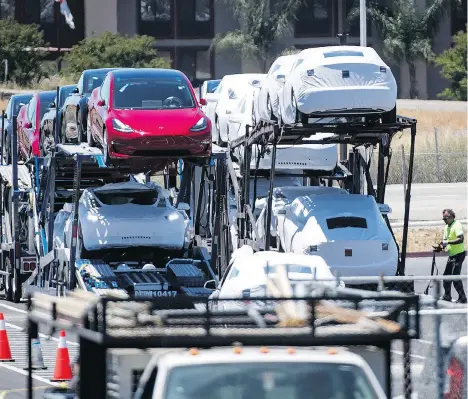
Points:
(105, 148)
(89, 137)
(7, 151)
(13, 288)
(219, 140)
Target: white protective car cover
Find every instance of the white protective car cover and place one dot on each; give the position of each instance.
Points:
(319, 84)
(263, 187)
(128, 225)
(60, 222)
(249, 272)
(283, 196)
(367, 244)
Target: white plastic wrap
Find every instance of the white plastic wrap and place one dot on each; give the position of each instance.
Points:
(59, 225)
(339, 79)
(368, 258)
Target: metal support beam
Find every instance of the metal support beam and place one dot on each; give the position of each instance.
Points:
(2, 138)
(270, 193)
(401, 269)
(15, 206)
(75, 206)
(247, 160)
(380, 175)
(93, 383)
(57, 121)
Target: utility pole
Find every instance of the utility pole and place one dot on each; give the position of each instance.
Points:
(363, 23)
(57, 17)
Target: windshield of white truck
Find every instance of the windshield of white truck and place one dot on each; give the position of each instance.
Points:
(298, 380)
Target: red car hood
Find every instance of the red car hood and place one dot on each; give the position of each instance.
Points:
(172, 121)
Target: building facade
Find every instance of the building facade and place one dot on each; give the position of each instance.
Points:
(184, 30)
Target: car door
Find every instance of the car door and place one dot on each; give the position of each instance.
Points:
(99, 112)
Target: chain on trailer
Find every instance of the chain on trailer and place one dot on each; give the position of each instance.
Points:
(33, 192)
(349, 173)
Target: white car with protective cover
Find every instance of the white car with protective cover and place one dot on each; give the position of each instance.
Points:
(225, 99)
(131, 217)
(347, 231)
(267, 105)
(339, 81)
(283, 196)
(248, 272)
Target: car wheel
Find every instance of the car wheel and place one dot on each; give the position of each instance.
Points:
(7, 150)
(47, 143)
(79, 127)
(89, 136)
(105, 148)
(13, 288)
(219, 140)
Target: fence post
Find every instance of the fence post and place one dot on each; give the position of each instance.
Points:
(403, 169)
(437, 154)
(438, 357)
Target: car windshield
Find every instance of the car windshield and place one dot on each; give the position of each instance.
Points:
(343, 53)
(147, 197)
(152, 93)
(278, 380)
(93, 80)
(211, 86)
(45, 100)
(19, 102)
(346, 221)
(64, 93)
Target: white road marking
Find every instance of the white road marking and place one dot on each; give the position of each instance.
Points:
(423, 341)
(15, 327)
(13, 308)
(24, 372)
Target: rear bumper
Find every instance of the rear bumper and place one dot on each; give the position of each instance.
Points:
(130, 145)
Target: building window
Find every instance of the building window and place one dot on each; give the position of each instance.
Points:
(194, 19)
(459, 18)
(47, 11)
(156, 18)
(314, 18)
(7, 9)
(195, 63)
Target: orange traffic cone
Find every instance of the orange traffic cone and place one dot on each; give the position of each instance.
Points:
(63, 371)
(5, 352)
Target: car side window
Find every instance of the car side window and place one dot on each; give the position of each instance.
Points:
(105, 88)
(80, 85)
(31, 111)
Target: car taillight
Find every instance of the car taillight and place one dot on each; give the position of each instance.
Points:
(454, 386)
(32, 266)
(26, 267)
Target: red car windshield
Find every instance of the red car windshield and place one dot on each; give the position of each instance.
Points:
(152, 93)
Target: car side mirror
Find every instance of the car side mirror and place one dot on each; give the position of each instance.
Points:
(210, 285)
(75, 90)
(28, 125)
(203, 101)
(51, 105)
(256, 83)
(101, 103)
(384, 209)
(280, 78)
(183, 206)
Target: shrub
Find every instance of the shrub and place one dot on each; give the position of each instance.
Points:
(113, 50)
(19, 45)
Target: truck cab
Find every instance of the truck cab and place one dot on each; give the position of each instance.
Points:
(258, 372)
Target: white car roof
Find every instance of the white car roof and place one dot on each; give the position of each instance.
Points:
(294, 191)
(319, 54)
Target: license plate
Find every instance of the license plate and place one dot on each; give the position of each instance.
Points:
(155, 294)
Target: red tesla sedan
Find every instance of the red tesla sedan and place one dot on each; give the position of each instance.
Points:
(148, 114)
(28, 124)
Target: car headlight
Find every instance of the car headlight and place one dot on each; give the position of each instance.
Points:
(202, 124)
(121, 127)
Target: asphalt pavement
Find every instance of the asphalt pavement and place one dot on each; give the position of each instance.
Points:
(428, 201)
(13, 375)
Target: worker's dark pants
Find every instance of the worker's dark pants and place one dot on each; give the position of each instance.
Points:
(453, 268)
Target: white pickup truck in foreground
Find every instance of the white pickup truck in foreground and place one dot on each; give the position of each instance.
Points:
(259, 372)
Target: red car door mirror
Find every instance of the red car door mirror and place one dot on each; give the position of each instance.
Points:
(101, 103)
(28, 125)
(203, 101)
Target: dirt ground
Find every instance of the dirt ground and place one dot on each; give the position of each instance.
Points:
(420, 239)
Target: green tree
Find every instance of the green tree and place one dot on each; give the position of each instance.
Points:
(19, 45)
(263, 23)
(406, 32)
(113, 50)
(453, 63)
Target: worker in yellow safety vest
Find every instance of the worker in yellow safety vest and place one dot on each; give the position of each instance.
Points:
(453, 243)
